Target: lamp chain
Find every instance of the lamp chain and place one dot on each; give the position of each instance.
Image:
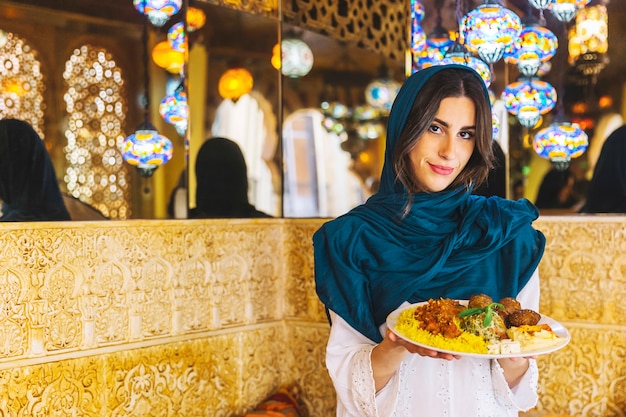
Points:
(146, 75)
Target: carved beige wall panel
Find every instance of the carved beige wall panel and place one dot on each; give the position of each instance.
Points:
(307, 350)
(301, 301)
(583, 286)
(208, 317)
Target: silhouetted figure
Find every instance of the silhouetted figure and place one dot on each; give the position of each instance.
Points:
(222, 182)
(29, 189)
(607, 189)
(557, 190)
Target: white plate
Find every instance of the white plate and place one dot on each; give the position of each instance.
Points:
(557, 328)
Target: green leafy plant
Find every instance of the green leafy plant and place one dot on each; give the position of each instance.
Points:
(488, 310)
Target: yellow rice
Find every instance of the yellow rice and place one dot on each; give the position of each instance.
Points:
(466, 342)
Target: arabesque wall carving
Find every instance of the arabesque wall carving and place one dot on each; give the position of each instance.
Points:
(208, 317)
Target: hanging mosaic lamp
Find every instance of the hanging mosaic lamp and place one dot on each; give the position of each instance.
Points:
(495, 125)
(589, 40)
(540, 5)
(418, 38)
(176, 37)
(565, 10)
(158, 11)
(196, 18)
(437, 43)
(458, 54)
(544, 69)
(528, 100)
(489, 29)
(417, 11)
(381, 93)
(560, 143)
(296, 58)
(234, 83)
(535, 45)
(275, 61)
(146, 149)
(174, 110)
(164, 56)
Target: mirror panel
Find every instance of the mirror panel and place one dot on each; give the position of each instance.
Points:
(235, 39)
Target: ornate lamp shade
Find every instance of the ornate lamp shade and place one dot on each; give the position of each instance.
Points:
(560, 143)
(535, 45)
(158, 11)
(417, 11)
(544, 69)
(370, 130)
(489, 29)
(457, 54)
(175, 111)
(176, 37)
(296, 58)
(234, 83)
(146, 149)
(381, 93)
(565, 10)
(528, 100)
(167, 58)
(196, 18)
(437, 45)
(540, 4)
(589, 39)
(418, 38)
(495, 125)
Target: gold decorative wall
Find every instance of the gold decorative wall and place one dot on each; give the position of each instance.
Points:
(207, 317)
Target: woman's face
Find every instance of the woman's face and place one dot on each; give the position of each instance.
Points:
(442, 152)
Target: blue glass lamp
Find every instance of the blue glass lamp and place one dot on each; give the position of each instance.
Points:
(560, 143)
(565, 10)
(381, 93)
(528, 100)
(146, 149)
(176, 37)
(489, 29)
(458, 54)
(174, 110)
(535, 45)
(158, 11)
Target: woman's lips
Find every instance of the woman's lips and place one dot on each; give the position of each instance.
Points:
(441, 170)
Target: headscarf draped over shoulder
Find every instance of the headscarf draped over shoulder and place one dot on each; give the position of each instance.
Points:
(451, 244)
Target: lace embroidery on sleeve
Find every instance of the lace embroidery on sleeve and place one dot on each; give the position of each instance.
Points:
(363, 388)
(522, 397)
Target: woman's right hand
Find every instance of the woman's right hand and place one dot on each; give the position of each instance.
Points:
(422, 351)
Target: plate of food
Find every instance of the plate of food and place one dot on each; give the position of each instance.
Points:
(478, 327)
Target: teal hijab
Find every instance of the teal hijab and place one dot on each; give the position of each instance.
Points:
(451, 244)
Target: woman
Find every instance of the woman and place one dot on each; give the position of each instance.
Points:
(607, 189)
(424, 235)
(557, 190)
(222, 178)
(28, 185)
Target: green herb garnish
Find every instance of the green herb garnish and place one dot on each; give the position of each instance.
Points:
(488, 310)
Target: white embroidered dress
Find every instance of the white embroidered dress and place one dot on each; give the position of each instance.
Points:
(422, 386)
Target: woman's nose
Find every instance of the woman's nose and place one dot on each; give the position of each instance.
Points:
(447, 149)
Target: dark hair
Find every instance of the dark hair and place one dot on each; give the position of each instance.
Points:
(452, 82)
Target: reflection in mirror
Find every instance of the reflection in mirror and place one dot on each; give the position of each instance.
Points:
(74, 72)
(231, 45)
(334, 125)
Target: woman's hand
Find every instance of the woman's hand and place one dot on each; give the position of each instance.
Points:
(514, 369)
(422, 351)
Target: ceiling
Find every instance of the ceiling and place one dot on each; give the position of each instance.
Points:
(252, 32)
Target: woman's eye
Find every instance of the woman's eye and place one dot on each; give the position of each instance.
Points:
(466, 135)
(435, 128)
